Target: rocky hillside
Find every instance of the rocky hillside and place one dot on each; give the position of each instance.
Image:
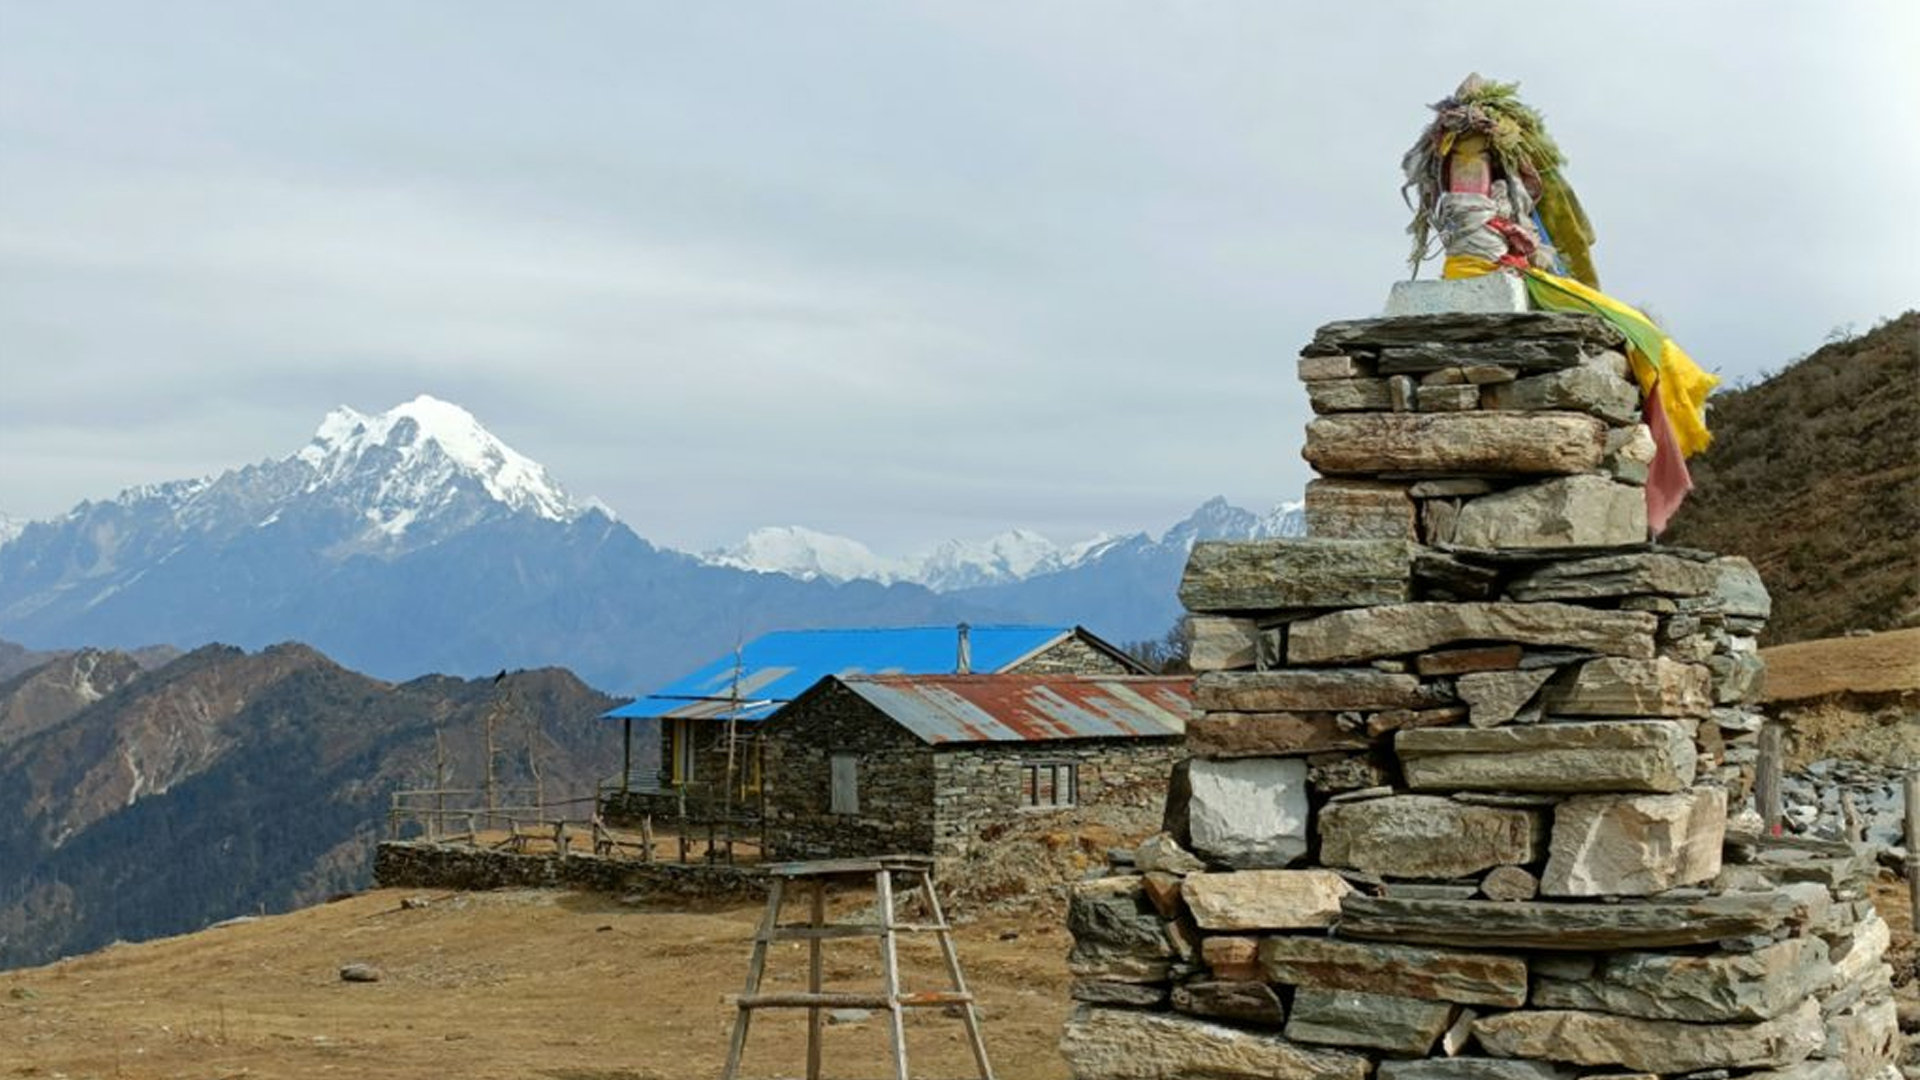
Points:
(1815, 476)
(138, 803)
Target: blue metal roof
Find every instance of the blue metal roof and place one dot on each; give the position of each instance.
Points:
(775, 668)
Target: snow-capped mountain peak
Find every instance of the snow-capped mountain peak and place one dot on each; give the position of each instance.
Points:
(1009, 556)
(1006, 558)
(9, 529)
(807, 554)
(414, 452)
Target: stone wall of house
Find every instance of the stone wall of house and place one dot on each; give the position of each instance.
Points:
(1072, 657)
(894, 780)
(978, 786)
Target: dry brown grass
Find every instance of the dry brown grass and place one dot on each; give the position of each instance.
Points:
(1885, 663)
(565, 986)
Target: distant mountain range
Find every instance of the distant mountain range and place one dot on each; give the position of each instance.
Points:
(953, 565)
(137, 801)
(414, 540)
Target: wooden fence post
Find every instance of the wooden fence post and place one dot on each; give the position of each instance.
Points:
(1766, 780)
(1913, 843)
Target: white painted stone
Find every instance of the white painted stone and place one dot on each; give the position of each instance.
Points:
(1501, 291)
(1249, 812)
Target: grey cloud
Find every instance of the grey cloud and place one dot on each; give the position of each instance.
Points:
(900, 271)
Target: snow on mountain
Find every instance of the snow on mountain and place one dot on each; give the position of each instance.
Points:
(405, 462)
(1012, 556)
(9, 529)
(807, 554)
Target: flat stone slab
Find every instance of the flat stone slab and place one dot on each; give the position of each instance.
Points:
(1399, 970)
(1602, 755)
(1309, 689)
(1500, 292)
(1467, 661)
(1398, 629)
(1225, 576)
(1231, 957)
(1565, 926)
(1495, 697)
(1635, 845)
(1265, 899)
(1709, 989)
(1128, 1044)
(1348, 395)
(1609, 576)
(1585, 389)
(1738, 588)
(1473, 1068)
(1248, 1002)
(1102, 992)
(1427, 836)
(1466, 329)
(1619, 686)
(1117, 934)
(1656, 1046)
(1566, 513)
(1359, 510)
(1440, 444)
(1269, 734)
(1223, 643)
(1248, 813)
(1396, 1025)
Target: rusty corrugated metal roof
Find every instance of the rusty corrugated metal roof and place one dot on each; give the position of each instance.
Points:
(777, 667)
(1029, 708)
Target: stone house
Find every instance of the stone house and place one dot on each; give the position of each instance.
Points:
(930, 764)
(708, 723)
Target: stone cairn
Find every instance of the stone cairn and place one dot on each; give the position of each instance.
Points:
(1456, 805)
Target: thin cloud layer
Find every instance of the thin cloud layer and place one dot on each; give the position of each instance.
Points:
(895, 271)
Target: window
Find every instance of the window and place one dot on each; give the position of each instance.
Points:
(845, 795)
(1049, 784)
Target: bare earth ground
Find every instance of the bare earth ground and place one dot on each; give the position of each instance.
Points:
(563, 986)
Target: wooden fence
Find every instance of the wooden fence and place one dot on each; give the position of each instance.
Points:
(522, 824)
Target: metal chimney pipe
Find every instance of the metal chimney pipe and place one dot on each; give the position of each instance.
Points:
(964, 665)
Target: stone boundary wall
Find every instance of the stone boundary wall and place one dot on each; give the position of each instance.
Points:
(421, 865)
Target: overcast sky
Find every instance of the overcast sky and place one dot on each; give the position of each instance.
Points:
(897, 270)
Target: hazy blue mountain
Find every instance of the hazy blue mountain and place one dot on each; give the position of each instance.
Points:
(413, 540)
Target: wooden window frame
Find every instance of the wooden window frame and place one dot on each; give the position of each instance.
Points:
(1054, 770)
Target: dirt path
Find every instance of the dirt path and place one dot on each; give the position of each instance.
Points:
(566, 986)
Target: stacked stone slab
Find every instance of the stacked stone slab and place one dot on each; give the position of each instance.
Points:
(1457, 799)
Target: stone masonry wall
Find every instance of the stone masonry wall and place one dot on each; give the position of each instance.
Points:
(895, 780)
(979, 786)
(1467, 796)
(415, 864)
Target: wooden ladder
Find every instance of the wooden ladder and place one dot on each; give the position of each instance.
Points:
(917, 874)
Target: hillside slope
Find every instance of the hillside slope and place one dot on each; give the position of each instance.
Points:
(1815, 476)
(228, 783)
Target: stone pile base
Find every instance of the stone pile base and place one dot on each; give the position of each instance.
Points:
(1458, 801)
